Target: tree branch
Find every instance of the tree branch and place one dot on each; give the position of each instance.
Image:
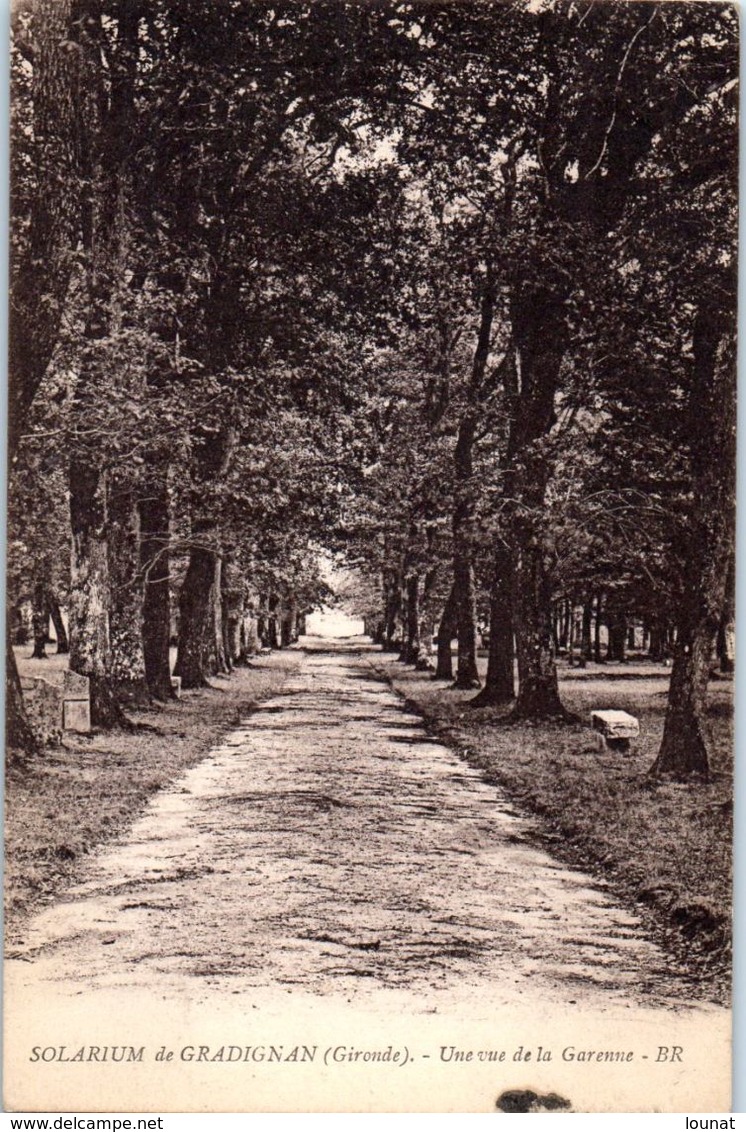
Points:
(617, 85)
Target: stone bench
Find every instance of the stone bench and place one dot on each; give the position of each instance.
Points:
(614, 729)
(54, 708)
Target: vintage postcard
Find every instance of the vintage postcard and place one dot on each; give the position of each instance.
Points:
(370, 556)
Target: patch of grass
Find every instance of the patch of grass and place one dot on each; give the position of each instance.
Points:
(51, 668)
(663, 847)
(75, 797)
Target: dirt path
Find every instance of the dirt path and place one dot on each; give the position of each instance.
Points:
(331, 850)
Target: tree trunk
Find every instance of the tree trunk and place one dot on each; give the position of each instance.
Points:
(499, 686)
(467, 674)
(155, 538)
(709, 541)
(726, 628)
(446, 630)
(272, 634)
(540, 332)
(538, 690)
(234, 645)
(195, 659)
(63, 645)
(586, 647)
(262, 627)
(393, 612)
(90, 596)
(217, 660)
(201, 651)
(234, 603)
(565, 626)
(686, 734)
(22, 630)
(20, 742)
(617, 650)
(404, 619)
(292, 618)
(127, 671)
(572, 634)
(230, 639)
(40, 281)
(424, 658)
(598, 659)
(392, 599)
(577, 631)
(289, 621)
(656, 649)
(411, 642)
(249, 631)
(243, 642)
(106, 231)
(285, 629)
(40, 620)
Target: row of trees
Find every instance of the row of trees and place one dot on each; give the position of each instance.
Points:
(568, 372)
(163, 367)
(447, 288)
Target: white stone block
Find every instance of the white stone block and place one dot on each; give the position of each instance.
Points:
(615, 724)
(76, 715)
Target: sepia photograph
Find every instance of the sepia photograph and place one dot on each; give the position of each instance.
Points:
(371, 448)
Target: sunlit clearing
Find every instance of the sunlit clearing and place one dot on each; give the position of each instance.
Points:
(333, 623)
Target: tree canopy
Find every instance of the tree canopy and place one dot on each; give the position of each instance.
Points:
(445, 288)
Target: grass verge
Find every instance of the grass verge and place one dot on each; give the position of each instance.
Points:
(663, 847)
(75, 797)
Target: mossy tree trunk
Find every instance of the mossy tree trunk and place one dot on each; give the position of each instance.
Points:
(90, 593)
(446, 631)
(499, 685)
(201, 650)
(196, 657)
(127, 670)
(709, 537)
(538, 695)
(467, 675)
(540, 333)
(411, 640)
(155, 540)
